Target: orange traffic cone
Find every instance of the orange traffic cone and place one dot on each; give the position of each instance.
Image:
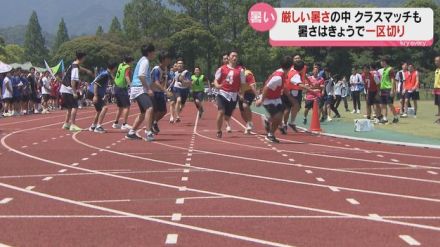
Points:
(315, 125)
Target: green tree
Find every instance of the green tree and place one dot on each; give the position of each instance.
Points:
(62, 35)
(100, 50)
(34, 44)
(115, 27)
(99, 31)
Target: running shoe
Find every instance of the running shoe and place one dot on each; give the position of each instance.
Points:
(99, 130)
(75, 128)
(126, 127)
(272, 139)
(116, 126)
(66, 126)
(293, 127)
(133, 136)
(92, 128)
(149, 137)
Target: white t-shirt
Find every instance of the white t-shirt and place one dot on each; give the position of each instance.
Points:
(6, 94)
(273, 84)
(73, 77)
(46, 83)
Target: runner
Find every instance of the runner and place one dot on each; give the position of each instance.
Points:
(7, 93)
(271, 98)
(198, 89)
(69, 91)
(228, 79)
(437, 87)
(159, 76)
(172, 99)
(182, 84)
(410, 89)
(292, 93)
(314, 92)
(142, 93)
(45, 89)
(372, 91)
(122, 82)
(387, 91)
(247, 95)
(97, 93)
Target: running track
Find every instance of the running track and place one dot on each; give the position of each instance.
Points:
(190, 189)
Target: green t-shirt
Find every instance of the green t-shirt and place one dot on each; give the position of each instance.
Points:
(386, 82)
(198, 83)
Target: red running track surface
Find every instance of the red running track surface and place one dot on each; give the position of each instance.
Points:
(190, 189)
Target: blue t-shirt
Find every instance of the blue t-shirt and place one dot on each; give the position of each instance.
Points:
(15, 80)
(102, 80)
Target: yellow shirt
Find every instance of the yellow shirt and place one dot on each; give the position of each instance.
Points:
(437, 79)
(250, 79)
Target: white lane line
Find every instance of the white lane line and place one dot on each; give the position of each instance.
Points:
(184, 179)
(352, 201)
(62, 170)
(334, 189)
(320, 179)
(309, 172)
(375, 216)
(395, 160)
(84, 159)
(171, 239)
(6, 200)
(180, 201)
(176, 217)
(409, 240)
(75, 164)
(47, 178)
(94, 154)
(432, 172)
(30, 188)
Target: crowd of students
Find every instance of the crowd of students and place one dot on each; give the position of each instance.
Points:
(153, 87)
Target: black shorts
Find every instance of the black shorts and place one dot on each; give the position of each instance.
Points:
(436, 99)
(248, 99)
(122, 98)
(385, 97)
(274, 109)
(309, 103)
(181, 93)
(46, 97)
(372, 98)
(412, 95)
(7, 100)
(159, 102)
(200, 96)
(69, 102)
(144, 102)
(225, 105)
(286, 102)
(25, 98)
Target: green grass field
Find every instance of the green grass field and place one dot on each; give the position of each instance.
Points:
(422, 126)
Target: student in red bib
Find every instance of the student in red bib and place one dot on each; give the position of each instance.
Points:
(271, 98)
(228, 80)
(410, 90)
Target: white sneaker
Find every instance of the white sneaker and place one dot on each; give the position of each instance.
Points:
(228, 129)
(116, 126)
(126, 127)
